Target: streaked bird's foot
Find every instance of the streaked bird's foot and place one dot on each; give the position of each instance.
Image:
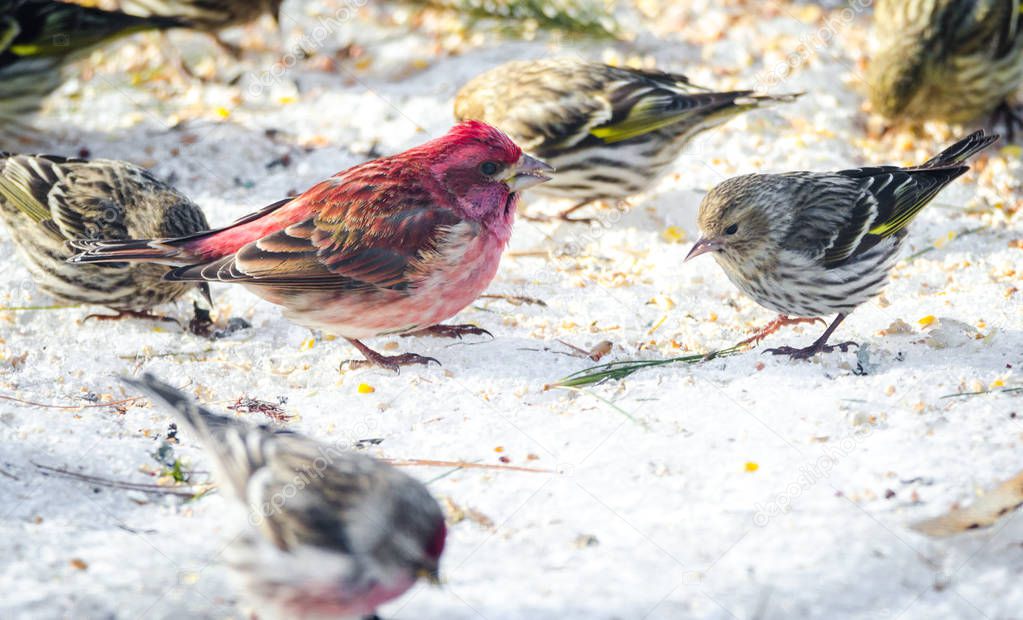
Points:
(391, 362)
(560, 217)
(202, 324)
(776, 324)
(810, 351)
(132, 314)
(564, 216)
(451, 331)
(1009, 115)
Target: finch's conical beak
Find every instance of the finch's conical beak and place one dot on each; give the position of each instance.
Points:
(702, 247)
(526, 173)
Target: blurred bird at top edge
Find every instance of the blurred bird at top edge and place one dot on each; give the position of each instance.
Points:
(39, 37)
(948, 60)
(610, 132)
(210, 16)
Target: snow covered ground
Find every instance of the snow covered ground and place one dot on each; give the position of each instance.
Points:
(744, 487)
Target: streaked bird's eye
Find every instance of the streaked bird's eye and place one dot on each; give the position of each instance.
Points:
(488, 168)
(731, 230)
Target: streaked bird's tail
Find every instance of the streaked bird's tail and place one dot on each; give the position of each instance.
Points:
(959, 152)
(164, 251)
(237, 446)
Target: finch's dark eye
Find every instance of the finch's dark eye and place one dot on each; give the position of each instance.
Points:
(489, 168)
(731, 230)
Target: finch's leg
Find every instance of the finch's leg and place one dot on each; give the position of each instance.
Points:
(563, 216)
(777, 324)
(132, 314)
(451, 331)
(391, 362)
(819, 346)
(1007, 113)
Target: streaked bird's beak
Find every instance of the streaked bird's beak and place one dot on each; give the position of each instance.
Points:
(703, 246)
(526, 173)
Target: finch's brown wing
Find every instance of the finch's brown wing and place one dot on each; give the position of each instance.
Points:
(354, 244)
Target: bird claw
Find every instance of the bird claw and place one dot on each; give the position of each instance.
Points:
(812, 350)
(560, 217)
(392, 362)
(777, 324)
(1012, 118)
(450, 331)
(132, 314)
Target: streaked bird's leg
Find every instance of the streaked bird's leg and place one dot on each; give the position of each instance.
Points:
(819, 346)
(777, 324)
(563, 216)
(450, 331)
(132, 314)
(391, 362)
(1006, 113)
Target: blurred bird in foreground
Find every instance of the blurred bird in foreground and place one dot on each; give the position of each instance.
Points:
(334, 533)
(392, 246)
(810, 244)
(950, 60)
(46, 201)
(210, 16)
(37, 37)
(610, 132)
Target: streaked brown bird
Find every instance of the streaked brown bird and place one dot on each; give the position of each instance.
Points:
(333, 533)
(949, 60)
(46, 201)
(610, 132)
(809, 244)
(209, 16)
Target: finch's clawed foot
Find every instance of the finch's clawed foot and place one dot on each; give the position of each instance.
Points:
(777, 324)
(391, 362)
(132, 314)
(810, 351)
(564, 216)
(451, 331)
(1008, 114)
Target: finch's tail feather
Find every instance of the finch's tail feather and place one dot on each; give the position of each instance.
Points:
(237, 446)
(176, 252)
(959, 152)
(754, 100)
(165, 251)
(200, 422)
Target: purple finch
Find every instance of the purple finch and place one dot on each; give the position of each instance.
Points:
(391, 246)
(335, 533)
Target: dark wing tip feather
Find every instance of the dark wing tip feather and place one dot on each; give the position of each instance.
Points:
(961, 150)
(171, 398)
(100, 251)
